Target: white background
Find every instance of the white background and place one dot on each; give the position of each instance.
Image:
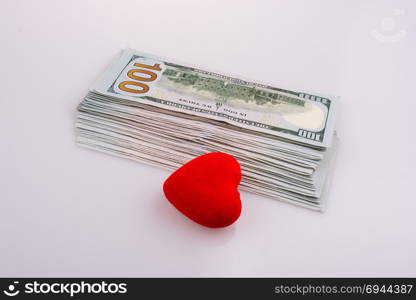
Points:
(67, 211)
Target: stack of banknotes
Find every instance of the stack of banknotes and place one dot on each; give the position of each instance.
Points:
(163, 113)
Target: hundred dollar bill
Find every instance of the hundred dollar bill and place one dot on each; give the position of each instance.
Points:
(295, 115)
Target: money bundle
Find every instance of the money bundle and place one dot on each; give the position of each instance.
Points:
(163, 113)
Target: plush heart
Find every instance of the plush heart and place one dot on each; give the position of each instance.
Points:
(205, 189)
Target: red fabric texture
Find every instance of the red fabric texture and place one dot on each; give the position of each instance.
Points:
(205, 189)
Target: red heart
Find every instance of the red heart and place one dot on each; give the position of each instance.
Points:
(205, 189)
